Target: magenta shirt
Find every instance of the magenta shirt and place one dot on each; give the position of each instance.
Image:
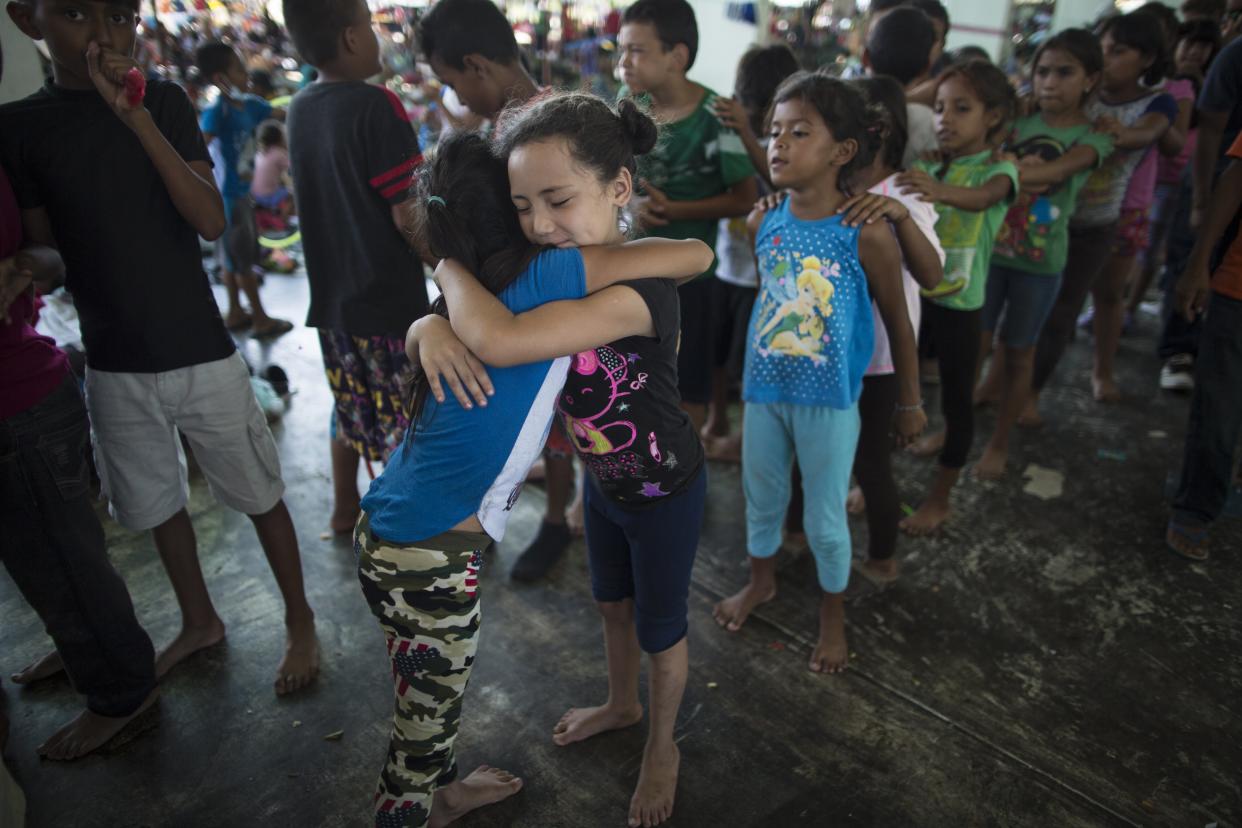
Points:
(31, 366)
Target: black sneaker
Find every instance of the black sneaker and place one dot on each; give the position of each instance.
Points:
(542, 554)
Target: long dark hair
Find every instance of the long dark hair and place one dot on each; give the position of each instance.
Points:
(991, 87)
(463, 212)
(886, 94)
(1079, 44)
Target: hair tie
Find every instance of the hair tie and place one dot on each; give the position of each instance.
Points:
(436, 200)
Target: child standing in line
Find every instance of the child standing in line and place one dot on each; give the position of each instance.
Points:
(698, 174)
(760, 71)
(972, 192)
(229, 127)
(448, 491)
(1057, 151)
(352, 150)
(811, 338)
(160, 364)
(1104, 238)
(914, 223)
(1194, 47)
(901, 46)
(571, 159)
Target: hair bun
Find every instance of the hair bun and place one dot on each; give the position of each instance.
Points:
(637, 126)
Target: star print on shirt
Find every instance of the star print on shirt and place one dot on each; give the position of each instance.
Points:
(631, 358)
(623, 407)
(653, 490)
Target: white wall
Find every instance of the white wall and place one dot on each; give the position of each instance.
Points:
(22, 73)
(982, 23)
(722, 42)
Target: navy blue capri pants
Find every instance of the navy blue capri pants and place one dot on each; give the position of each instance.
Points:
(647, 554)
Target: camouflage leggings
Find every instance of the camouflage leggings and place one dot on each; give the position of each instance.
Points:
(426, 599)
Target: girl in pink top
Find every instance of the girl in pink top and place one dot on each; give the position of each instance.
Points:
(269, 187)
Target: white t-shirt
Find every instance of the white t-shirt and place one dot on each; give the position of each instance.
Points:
(923, 214)
(921, 132)
(734, 253)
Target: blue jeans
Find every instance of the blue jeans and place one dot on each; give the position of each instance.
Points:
(1215, 416)
(54, 550)
(1018, 302)
(824, 441)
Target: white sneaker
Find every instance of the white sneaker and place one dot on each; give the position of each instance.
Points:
(1178, 373)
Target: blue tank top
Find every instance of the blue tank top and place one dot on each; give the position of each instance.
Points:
(455, 463)
(811, 332)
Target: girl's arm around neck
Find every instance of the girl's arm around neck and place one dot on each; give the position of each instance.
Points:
(1144, 132)
(680, 259)
(500, 338)
(971, 199)
(881, 260)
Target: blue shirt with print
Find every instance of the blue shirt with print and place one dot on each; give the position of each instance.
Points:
(232, 148)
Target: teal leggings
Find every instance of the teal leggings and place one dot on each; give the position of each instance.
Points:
(823, 440)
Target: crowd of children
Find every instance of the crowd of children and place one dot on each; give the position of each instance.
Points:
(808, 238)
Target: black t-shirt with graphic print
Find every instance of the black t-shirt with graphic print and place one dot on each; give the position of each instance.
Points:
(621, 408)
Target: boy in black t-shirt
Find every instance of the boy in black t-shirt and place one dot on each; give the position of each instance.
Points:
(124, 190)
(352, 152)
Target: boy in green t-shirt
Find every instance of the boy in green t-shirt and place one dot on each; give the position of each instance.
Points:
(698, 174)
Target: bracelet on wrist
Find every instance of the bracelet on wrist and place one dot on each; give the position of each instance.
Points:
(904, 408)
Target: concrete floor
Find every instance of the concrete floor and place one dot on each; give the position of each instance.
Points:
(1040, 663)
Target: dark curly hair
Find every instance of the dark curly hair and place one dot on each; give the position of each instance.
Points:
(886, 95)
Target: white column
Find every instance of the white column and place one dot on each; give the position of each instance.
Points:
(722, 42)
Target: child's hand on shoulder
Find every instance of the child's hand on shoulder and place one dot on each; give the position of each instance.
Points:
(921, 183)
(867, 208)
(107, 71)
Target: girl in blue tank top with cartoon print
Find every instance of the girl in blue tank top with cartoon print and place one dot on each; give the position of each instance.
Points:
(810, 341)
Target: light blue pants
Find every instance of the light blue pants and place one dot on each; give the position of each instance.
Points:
(823, 439)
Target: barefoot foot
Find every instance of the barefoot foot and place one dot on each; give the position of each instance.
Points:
(991, 465)
(855, 503)
(89, 732)
(929, 518)
(582, 723)
(45, 667)
(300, 666)
(732, 612)
(652, 803)
(189, 641)
(928, 445)
(486, 786)
(831, 653)
(1105, 389)
(1030, 416)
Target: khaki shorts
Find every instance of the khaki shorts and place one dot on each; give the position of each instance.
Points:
(136, 424)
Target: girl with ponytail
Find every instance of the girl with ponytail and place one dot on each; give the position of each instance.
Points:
(447, 490)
